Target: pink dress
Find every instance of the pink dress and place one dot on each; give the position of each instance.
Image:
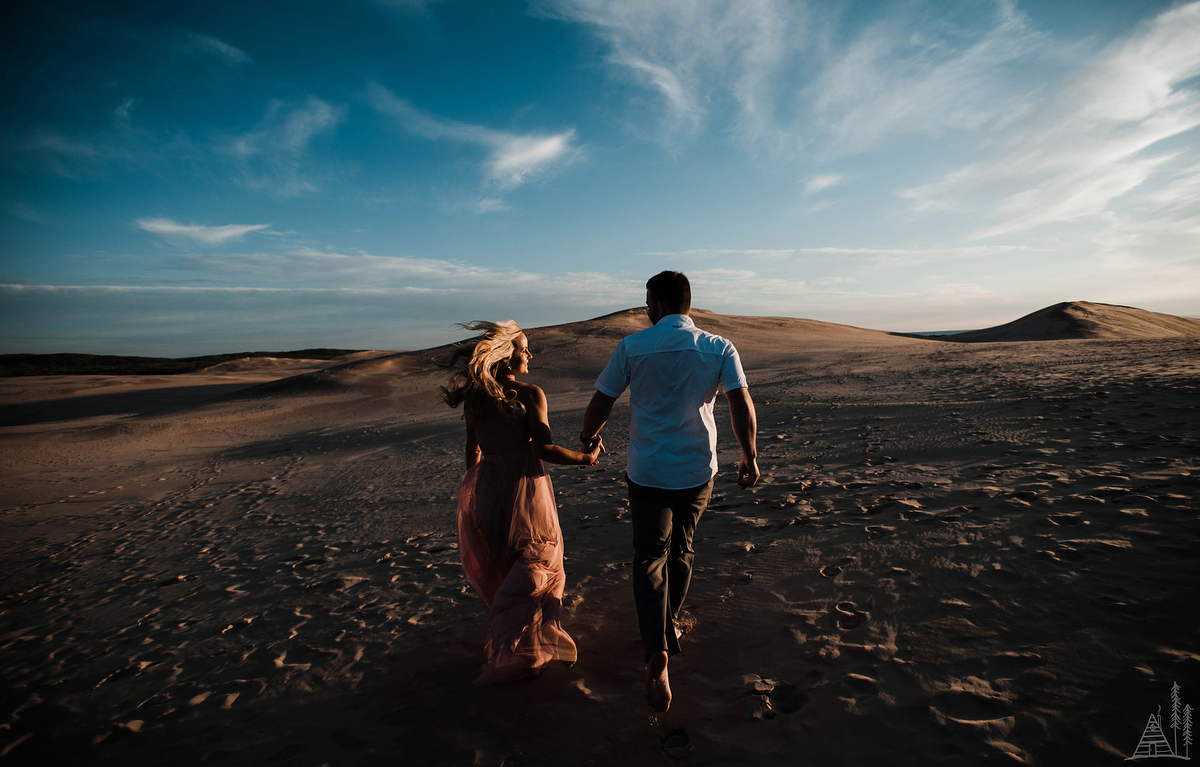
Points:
(512, 550)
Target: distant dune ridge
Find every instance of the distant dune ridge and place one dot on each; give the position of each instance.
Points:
(573, 343)
(105, 364)
(579, 349)
(1084, 319)
(567, 353)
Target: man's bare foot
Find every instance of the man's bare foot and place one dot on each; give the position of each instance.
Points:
(658, 685)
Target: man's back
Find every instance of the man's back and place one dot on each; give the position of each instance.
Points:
(673, 371)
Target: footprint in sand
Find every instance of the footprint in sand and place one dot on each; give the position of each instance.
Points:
(178, 579)
(1124, 605)
(878, 531)
(861, 685)
(734, 548)
(1072, 555)
(878, 508)
(846, 616)
(345, 582)
(1013, 662)
(237, 625)
(974, 705)
(1111, 491)
(1064, 518)
(788, 698)
(303, 560)
(754, 700)
(833, 571)
(676, 744)
(953, 515)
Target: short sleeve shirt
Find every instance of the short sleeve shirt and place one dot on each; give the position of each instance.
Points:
(673, 371)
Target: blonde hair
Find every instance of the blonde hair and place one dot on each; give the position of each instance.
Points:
(477, 384)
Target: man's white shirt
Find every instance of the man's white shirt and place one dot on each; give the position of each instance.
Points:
(673, 371)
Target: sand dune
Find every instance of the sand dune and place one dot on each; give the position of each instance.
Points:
(1082, 319)
(276, 365)
(959, 554)
(568, 357)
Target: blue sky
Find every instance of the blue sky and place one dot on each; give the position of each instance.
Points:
(184, 179)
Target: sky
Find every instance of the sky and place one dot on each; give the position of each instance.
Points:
(180, 179)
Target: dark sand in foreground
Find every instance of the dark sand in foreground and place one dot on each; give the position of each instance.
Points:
(958, 554)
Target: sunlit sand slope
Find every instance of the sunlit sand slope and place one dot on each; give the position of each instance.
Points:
(1083, 319)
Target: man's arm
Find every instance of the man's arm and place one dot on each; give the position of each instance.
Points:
(745, 429)
(598, 411)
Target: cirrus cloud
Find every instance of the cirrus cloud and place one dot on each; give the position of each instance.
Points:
(1089, 142)
(513, 159)
(212, 235)
(211, 45)
(275, 155)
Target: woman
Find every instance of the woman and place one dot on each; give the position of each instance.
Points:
(508, 533)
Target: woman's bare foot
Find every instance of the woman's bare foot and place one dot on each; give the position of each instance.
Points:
(658, 686)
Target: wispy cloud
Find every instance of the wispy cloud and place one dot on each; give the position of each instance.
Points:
(21, 210)
(490, 205)
(691, 52)
(68, 156)
(884, 258)
(1089, 143)
(122, 112)
(213, 235)
(1180, 193)
(409, 6)
(207, 44)
(822, 182)
(513, 159)
(307, 266)
(45, 288)
(289, 129)
(909, 74)
(274, 155)
(896, 258)
(739, 252)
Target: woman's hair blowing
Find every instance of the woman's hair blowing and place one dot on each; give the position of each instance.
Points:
(493, 348)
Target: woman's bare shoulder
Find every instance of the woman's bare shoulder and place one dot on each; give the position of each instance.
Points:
(527, 393)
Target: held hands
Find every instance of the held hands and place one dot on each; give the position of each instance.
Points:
(747, 475)
(593, 449)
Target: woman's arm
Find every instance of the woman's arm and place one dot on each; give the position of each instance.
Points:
(534, 400)
(472, 449)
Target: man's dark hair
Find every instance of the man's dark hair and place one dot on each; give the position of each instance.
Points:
(673, 290)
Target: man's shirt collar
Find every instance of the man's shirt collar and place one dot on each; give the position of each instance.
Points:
(676, 321)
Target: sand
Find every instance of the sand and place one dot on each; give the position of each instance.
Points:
(1083, 319)
(958, 553)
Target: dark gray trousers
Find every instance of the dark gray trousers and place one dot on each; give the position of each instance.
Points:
(664, 522)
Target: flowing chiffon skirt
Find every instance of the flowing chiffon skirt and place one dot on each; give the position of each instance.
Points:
(512, 550)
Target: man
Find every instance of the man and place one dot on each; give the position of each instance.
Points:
(673, 371)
